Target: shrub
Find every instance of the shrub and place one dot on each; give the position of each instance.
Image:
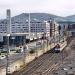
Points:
(18, 50)
(32, 51)
(3, 51)
(12, 49)
(0, 53)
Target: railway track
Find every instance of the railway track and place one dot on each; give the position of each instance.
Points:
(51, 65)
(45, 64)
(35, 64)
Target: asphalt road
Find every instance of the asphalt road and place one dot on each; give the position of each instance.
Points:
(16, 56)
(12, 58)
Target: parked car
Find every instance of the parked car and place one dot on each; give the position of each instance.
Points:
(2, 56)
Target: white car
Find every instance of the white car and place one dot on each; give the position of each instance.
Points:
(2, 56)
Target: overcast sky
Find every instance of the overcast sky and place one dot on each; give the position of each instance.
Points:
(57, 7)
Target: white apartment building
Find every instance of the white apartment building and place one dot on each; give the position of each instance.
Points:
(3, 26)
(32, 28)
(36, 27)
(18, 27)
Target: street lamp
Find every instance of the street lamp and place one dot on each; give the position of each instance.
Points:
(47, 38)
(36, 41)
(24, 50)
(44, 36)
(29, 27)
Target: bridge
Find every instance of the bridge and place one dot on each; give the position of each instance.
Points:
(32, 35)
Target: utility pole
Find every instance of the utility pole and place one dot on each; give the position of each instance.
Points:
(44, 36)
(24, 50)
(59, 28)
(29, 27)
(63, 33)
(54, 34)
(50, 33)
(42, 42)
(47, 38)
(36, 52)
(7, 56)
(62, 57)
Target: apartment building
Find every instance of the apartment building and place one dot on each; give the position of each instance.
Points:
(37, 28)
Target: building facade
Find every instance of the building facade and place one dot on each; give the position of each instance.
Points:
(37, 28)
(71, 29)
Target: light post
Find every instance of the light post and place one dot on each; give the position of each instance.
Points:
(7, 56)
(54, 36)
(47, 41)
(29, 27)
(59, 28)
(36, 44)
(24, 50)
(44, 36)
(62, 57)
(36, 52)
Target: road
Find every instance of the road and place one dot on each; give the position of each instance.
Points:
(13, 58)
(46, 63)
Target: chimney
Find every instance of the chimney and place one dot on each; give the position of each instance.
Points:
(8, 17)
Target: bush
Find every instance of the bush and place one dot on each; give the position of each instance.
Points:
(32, 51)
(12, 50)
(0, 53)
(3, 51)
(18, 51)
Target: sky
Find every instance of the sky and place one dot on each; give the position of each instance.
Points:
(56, 7)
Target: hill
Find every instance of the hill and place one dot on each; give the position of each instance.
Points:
(37, 16)
(71, 18)
(41, 17)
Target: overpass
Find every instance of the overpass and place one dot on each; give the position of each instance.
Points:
(32, 35)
